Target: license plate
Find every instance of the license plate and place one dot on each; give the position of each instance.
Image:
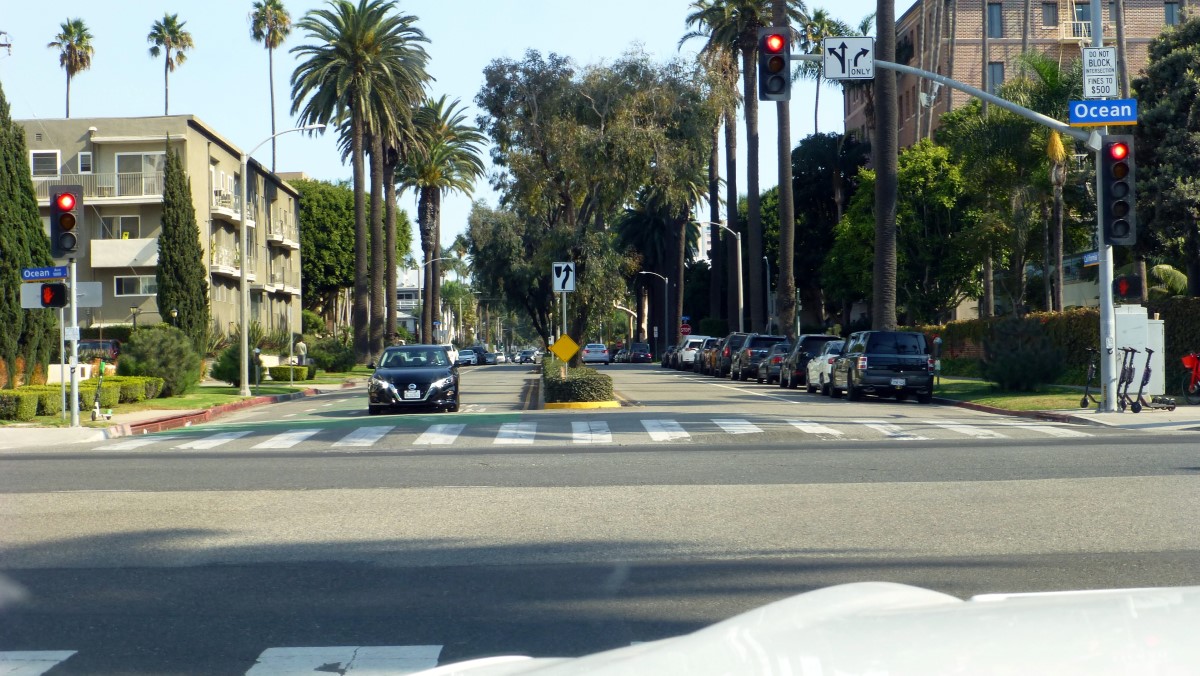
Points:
(898, 382)
(410, 394)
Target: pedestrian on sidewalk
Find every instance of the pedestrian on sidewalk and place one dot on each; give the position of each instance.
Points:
(301, 353)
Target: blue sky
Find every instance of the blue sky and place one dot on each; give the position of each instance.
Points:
(224, 81)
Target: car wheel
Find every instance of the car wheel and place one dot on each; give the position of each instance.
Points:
(852, 392)
(453, 408)
(824, 386)
(809, 386)
(782, 385)
(834, 392)
(374, 410)
(926, 398)
(759, 377)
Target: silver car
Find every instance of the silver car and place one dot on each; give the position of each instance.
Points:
(818, 367)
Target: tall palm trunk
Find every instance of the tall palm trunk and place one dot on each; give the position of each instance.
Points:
(731, 216)
(377, 246)
(389, 226)
(989, 286)
(1059, 177)
(758, 318)
(984, 45)
(68, 94)
(717, 271)
(425, 217)
(362, 287)
(271, 89)
(435, 292)
(883, 300)
(1025, 26)
(167, 83)
(676, 308)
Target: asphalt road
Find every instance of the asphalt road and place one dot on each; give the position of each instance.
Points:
(497, 530)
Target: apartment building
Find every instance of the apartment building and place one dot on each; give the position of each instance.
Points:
(120, 164)
(947, 37)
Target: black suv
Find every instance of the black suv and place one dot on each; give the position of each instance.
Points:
(639, 353)
(723, 359)
(794, 371)
(884, 363)
(749, 353)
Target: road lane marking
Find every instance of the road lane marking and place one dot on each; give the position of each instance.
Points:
(130, 444)
(31, 662)
(891, 431)
(212, 441)
(363, 436)
(810, 427)
(664, 430)
(591, 432)
(1052, 430)
(350, 660)
(967, 430)
(439, 435)
(289, 415)
(737, 426)
(329, 404)
(516, 433)
(287, 439)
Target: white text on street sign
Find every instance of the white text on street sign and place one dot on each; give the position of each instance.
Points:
(848, 58)
(44, 274)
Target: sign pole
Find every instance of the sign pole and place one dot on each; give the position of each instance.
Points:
(1108, 325)
(62, 361)
(74, 346)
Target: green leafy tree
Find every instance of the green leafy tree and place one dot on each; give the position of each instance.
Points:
(326, 243)
(165, 352)
(270, 24)
(74, 45)
(168, 36)
(181, 274)
(28, 334)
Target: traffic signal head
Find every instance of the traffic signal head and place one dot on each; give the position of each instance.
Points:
(66, 211)
(1117, 215)
(774, 65)
(54, 294)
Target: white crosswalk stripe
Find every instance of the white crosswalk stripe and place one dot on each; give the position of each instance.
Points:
(439, 435)
(968, 430)
(1052, 430)
(131, 444)
(810, 427)
(891, 431)
(31, 662)
(212, 441)
(737, 426)
(664, 430)
(286, 440)
(591, 432)
(363, 437)
(516, 433)
(349, 660)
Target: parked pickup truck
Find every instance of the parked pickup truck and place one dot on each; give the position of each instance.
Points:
(884, 363)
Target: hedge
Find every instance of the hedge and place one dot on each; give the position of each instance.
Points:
(49, 398)
(133, 388)
(18, 405)
(580, 384)
(110, 394)
(281, 372)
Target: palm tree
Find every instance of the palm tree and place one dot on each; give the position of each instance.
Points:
(445, 158)
(74, 43)
(365, 63)
(166, 36)
(884, 150)
(270, 24)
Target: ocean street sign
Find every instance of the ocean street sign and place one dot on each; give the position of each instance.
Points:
(1100, 113)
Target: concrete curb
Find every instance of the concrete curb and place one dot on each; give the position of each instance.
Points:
(582, 404)
(1048, 416)
(171, 422)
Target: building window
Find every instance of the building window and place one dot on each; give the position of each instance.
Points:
(85, 163)
(140, 173)
(995, 14)
(1049, 14)
(43, 163)
(120, 227)
(139, 285)
(1083, 12)
(995, 76)
(1171, 10)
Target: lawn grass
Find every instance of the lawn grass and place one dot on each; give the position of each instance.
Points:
(1052, 397)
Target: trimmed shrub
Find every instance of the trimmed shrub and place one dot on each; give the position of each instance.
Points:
(228, 367)
(332, 356)
(311, 322)
(1019, 356)
(133, 388)
(110, 394)
(49, 398)
(281, 372)
(18, 405)
(154, 386)
(163, 351)
(580, 384)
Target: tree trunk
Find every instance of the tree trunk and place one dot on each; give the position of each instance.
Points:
(989, 291)
(714, 229)
(1122, 63)
(758, 319)
(884, 150)
(435, 293)
(167, 83)
(425, 223)
(1056, 239)
(1047, 280)
(1025, 26)
(377, 246)
(389, 225)
(271, 88)
(68, 95)
(734, 287)
(935, 61)
(676, 308)
(985, 43)
(362, 287)
(953, 5)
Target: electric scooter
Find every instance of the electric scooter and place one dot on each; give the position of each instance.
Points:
(1092, 368)
(1157, 401)
(1125, 378)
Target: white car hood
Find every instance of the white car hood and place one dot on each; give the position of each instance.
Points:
(893, 629)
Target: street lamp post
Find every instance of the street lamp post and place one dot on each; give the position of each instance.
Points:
(245, 285)
(662, 345)
(135, 311)
(738, 236)
(174, 317)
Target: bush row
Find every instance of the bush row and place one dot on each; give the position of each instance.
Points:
(18, 405)
(297, 372)
(580, 384)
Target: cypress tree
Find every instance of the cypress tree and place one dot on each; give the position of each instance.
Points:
(26, 334)
(181, 275)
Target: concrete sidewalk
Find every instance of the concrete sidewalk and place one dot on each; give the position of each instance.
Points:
(1183, 418)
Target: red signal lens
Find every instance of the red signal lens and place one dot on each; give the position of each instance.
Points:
(774, 43)
(1118, 151)
(47, 294)
(66, 201)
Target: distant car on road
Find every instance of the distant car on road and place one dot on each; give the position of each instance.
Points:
(639, 353)
(525, 357)
(467, 358)
(795, 364)
(596, 353)
(819, 366)
(489, 358)
(768, 366)
(744, 362)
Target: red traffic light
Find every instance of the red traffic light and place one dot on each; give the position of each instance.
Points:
(774, 43)
(65, 201)
(1118, 151)
(54, 294)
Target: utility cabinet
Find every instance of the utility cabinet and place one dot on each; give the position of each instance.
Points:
(1135, 329)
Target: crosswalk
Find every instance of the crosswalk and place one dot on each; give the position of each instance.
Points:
(594, 431)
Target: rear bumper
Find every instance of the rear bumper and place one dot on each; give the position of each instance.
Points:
(881, 383)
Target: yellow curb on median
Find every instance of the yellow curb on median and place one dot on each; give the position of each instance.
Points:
(583, 404)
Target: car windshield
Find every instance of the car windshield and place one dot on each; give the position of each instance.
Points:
(413, 357)
(895, 343)
(640, 347)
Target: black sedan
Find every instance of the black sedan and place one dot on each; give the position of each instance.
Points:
(413, 376)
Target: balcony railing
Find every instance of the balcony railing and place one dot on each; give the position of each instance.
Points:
(282, 231)
(110, 185)
(1081, 30)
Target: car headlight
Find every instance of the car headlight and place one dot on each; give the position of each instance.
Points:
(444, 383)
(379, 383)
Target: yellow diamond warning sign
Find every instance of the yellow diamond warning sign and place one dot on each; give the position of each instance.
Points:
(564, 348)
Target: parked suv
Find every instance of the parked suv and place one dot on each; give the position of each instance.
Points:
(884, 363)
(689, 350)
(723, 359)
(639, 353)
(807, 346)
(745, 360)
